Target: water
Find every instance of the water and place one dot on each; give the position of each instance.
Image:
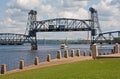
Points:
(11, 55)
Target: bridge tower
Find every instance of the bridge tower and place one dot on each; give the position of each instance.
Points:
(31, 29)
(94, 24)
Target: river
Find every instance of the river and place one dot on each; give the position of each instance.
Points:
(12, 54)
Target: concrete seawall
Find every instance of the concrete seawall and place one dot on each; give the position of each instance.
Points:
(73, 57)
(52, 63)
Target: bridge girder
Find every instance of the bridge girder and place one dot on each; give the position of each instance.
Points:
(62, 24)
(11, 38)
(106, 36)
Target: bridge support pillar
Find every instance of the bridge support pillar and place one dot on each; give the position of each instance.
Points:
(94, 51)
(34, 47)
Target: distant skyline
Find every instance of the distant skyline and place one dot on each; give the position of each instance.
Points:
(13, 15)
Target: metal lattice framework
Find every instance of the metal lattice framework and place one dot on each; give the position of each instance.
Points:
(62, 24)
(12, 39)
(107, 36)
(52, 25)
(94, 24)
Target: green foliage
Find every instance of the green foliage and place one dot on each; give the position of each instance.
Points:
(91, 69)
(117, 40)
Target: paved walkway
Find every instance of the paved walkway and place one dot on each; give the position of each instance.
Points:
(109, 56)
(52, 63)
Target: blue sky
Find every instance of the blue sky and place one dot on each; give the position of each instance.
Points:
(13, 14)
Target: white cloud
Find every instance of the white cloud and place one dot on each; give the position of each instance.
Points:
(108, 10)
(80, 14)
(12, 11)
(24, 4)
(110, 25)
(7, 22)
(75, 3)
(9, 25)
(109, 14)
(107, 1)
(46, 8)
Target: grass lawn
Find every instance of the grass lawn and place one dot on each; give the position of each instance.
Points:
(90, 69)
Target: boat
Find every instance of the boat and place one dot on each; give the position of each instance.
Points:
(63, 46)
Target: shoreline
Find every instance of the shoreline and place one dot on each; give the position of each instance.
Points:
(52, 63)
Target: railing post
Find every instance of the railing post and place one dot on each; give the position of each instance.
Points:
(100, 54)
(84, 53)
(94, 51)
(66, 54)
(78, 53)
(59, 56)
(21, 66)
(104, 53)
(89, 53)
(116, 48)
(36, 61)
(112, 51)
(72, 53)
(3, 69)
(49, 58)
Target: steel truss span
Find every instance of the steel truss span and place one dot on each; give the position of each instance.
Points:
(12, 39)
(61, 24)
(107, 36)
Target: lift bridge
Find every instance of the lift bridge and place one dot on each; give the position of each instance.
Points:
(52, 25)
